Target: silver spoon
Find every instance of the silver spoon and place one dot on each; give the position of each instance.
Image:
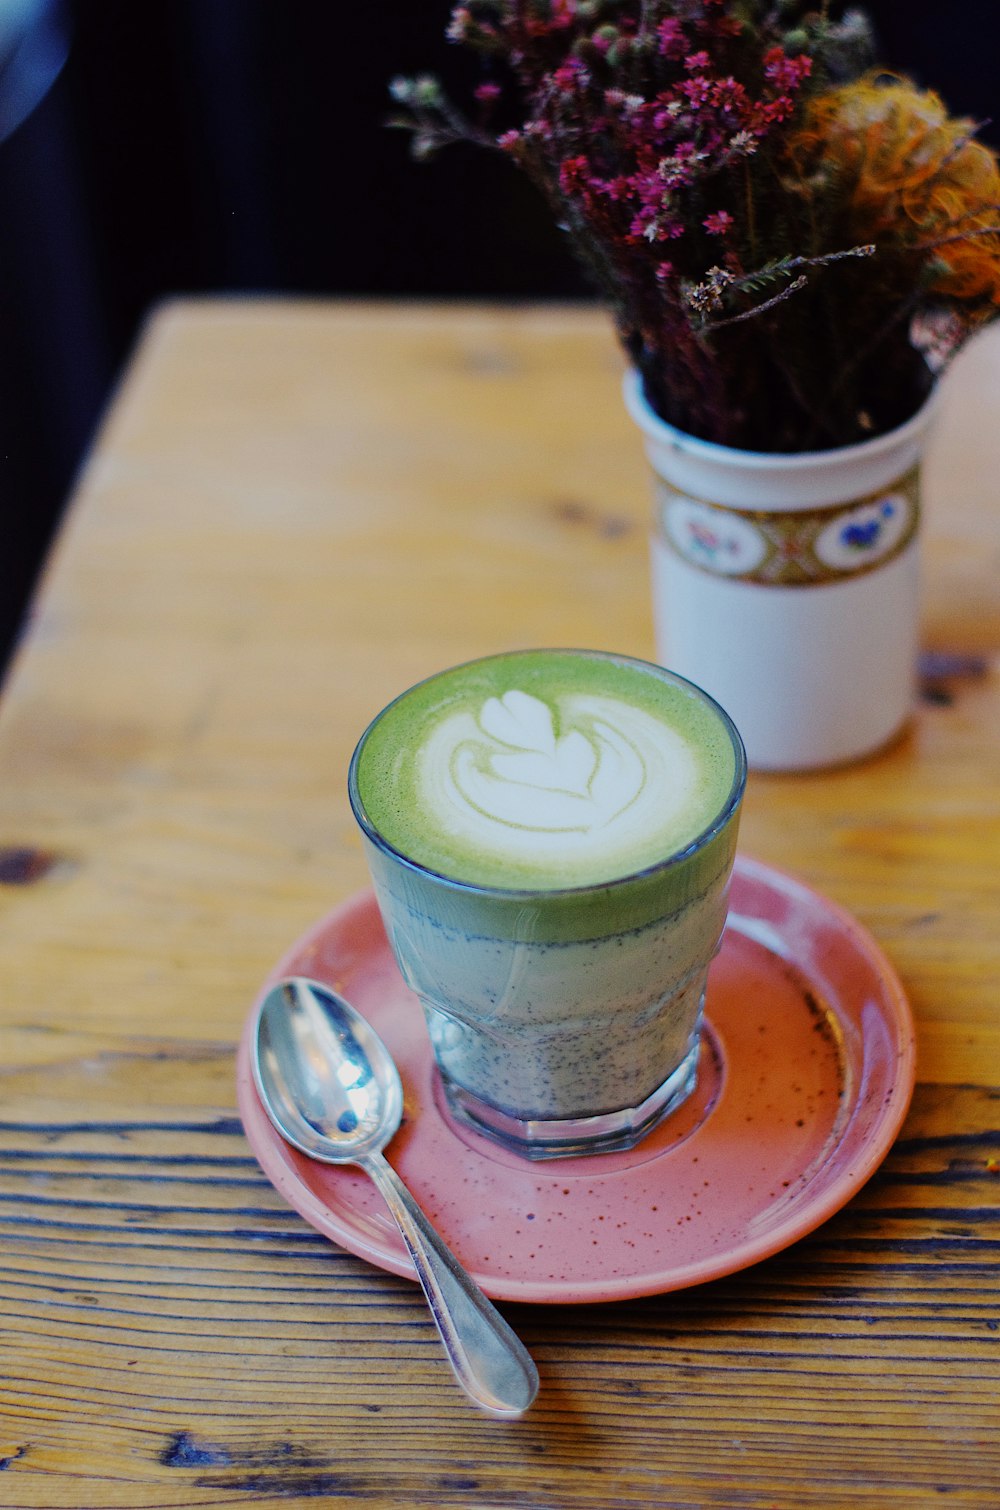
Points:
(329, 1085)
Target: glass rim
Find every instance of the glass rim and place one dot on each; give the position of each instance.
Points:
(515, 893)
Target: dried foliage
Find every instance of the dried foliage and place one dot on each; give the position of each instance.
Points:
(790, 243)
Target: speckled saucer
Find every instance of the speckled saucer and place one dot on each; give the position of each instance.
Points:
(806, 1073)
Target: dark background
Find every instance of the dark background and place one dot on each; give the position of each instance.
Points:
(156, 147)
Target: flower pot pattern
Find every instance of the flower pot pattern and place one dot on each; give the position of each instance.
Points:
(791, 548)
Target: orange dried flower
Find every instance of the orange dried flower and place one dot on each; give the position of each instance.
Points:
(915, 179)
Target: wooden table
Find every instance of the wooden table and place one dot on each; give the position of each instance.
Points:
(295, 510)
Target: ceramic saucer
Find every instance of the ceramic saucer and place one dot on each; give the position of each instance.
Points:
(806, 1073)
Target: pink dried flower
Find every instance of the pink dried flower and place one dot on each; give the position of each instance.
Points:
(574, 174)
(786, 73)
(570, 75)
(697, 91)
(718, 223)
(672, 38)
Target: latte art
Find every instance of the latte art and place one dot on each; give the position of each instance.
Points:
(548, 769)
(578, 781)
(532, 759)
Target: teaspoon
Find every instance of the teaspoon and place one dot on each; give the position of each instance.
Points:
(330, 1087)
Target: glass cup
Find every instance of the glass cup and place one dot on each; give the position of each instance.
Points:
(563, 1020)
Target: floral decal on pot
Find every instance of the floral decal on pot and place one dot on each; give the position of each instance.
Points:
(720, 540)
(790, 548)
(867, 535)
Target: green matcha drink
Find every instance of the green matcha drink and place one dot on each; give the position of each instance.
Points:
(550, 835)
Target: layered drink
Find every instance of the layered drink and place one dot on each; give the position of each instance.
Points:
(550, 836)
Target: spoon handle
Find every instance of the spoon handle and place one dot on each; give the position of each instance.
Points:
(491, 1364)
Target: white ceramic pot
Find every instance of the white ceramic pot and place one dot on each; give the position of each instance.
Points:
(787, 585)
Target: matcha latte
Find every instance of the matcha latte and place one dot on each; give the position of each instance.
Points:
(550, 835)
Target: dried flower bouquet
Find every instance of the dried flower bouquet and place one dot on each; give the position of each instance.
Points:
(790, 243)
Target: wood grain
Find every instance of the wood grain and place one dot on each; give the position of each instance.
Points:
(293, 511)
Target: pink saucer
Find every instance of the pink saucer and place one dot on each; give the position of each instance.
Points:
(806, 1074)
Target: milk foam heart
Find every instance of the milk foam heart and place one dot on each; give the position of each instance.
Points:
(579, 781)
(545, 769)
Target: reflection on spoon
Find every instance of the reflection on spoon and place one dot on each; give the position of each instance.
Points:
(330, 1087)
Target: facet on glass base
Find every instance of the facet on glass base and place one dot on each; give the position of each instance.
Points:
(568, 1137)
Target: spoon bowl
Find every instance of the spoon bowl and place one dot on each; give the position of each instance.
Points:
(326, 1078)
(330, 1087)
